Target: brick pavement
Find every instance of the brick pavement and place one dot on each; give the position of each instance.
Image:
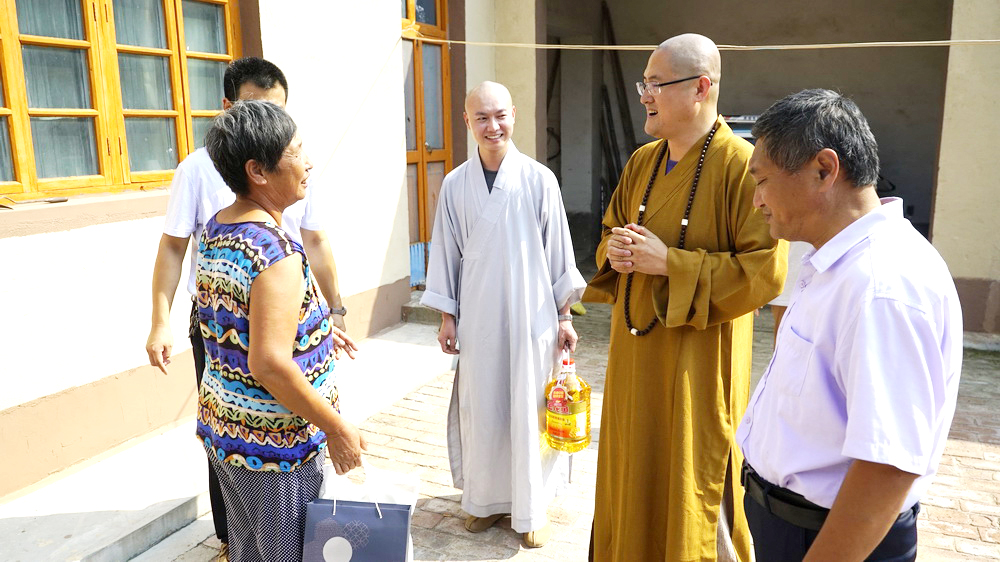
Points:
(960, 520)
(412, 434)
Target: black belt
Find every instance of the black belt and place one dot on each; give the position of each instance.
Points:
(782, 502)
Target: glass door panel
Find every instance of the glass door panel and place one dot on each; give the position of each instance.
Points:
(412, 190)
(435, 177)
(433, 102)
(427, 11)
(410, 96)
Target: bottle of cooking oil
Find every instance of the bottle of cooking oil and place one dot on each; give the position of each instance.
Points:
(567, 409)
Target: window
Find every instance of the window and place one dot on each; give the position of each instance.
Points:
(107, 95)
(428, 121)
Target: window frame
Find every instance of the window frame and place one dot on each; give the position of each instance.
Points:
(108, 112)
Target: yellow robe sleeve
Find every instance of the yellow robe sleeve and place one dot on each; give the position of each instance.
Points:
(604, 286)
(704, 288)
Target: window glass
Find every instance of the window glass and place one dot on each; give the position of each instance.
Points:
(64, 146)
(427, 11)
(152, 144)
(204, 27)
(56, 77)
(140, 23)
(433, 102)
(403, 4)
(408, 94)
(6, 163)
(205, 80)
(145, 82)
(200, 126)
(50, 18)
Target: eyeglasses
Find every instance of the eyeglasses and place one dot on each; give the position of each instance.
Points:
(653, 89)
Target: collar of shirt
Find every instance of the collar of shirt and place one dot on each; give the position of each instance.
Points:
(831, 252)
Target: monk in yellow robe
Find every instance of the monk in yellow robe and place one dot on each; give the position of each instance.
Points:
(685, 274)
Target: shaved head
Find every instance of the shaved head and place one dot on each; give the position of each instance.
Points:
(489, 94)
(692, 54)
(489, 115)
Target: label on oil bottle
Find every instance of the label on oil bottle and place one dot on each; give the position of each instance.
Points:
(564, 418)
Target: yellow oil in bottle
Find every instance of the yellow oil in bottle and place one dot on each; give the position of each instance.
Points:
(567, 409)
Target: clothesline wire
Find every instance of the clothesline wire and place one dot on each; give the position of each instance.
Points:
(415, 35)
(814, 46)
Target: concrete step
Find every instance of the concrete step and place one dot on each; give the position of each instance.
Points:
(113, 509)
(414, 312)
(120, 506)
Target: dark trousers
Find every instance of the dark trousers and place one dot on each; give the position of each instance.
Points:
(776, 540)
(214, 490)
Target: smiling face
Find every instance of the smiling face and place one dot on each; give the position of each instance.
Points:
(489, 114)
(785, 198)
(668, 112)
(288, 179)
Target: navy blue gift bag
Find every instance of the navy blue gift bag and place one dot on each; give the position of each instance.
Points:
(353, 531)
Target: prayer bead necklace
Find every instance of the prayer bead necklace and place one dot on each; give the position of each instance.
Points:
(684, 223)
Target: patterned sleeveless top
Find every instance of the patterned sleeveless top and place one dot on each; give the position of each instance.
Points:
(238, 419)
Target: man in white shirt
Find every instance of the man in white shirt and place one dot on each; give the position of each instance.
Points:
(196, 194)
(845, 430)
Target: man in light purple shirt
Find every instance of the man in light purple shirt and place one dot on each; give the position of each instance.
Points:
(846, 428)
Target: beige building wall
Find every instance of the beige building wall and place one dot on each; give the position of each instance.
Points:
(965, 212)
(508, 21)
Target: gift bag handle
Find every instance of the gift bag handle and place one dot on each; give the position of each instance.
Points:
(366, 466)
(377, 508)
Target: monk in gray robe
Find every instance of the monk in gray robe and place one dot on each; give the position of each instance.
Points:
(503, 275)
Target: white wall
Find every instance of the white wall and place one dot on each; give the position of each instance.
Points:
(76, 305)
(343, 61)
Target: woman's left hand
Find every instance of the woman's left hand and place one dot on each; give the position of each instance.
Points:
(344, 447)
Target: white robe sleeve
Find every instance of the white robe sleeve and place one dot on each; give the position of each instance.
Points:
(445, 264)
(567, 283)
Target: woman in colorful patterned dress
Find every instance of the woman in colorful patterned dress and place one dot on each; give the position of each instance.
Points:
(267, 406)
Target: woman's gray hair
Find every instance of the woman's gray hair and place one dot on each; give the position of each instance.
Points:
(797, 127)
(249, 130)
